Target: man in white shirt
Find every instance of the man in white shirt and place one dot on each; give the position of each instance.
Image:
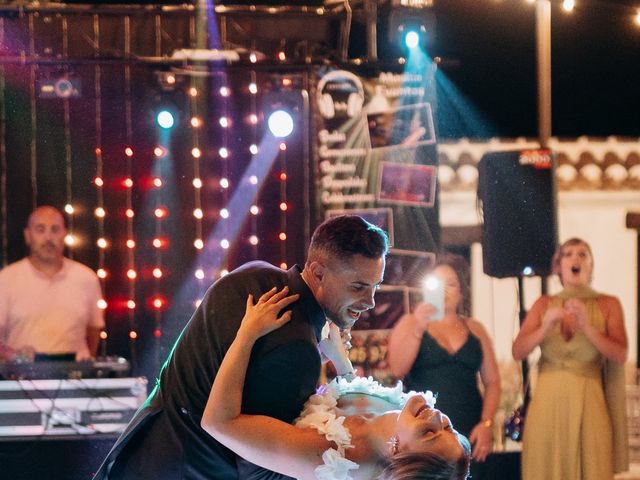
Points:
(48, 303)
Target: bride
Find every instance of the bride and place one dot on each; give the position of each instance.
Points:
(348, 430)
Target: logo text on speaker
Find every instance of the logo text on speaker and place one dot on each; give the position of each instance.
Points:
(537, 158)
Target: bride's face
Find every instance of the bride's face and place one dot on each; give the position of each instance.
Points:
(423, 429)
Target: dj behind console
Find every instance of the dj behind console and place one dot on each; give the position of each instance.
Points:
(48, 397)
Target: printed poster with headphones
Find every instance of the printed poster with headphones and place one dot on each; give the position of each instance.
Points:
(376, 157)
(376, 152)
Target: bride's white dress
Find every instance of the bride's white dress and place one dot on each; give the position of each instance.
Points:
(320, 413)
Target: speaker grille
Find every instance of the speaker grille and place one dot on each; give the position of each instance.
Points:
(518, 198)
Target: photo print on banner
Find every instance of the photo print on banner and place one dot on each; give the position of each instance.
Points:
(376, 157)
(376, 148)
(402, 285)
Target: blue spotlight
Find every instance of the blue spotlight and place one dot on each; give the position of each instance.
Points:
(165, 119)
(280, 123)
(410, 28)
(412, 39)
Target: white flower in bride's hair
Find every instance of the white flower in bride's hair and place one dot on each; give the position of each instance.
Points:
(335, 467)
(428, 396)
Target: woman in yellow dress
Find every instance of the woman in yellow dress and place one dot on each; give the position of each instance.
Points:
(575, 427)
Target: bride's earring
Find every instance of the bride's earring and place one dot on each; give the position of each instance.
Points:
(393, 445)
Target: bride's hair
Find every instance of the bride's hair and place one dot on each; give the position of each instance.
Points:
(428, 466)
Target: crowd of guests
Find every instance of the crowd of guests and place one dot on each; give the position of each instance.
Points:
(575, 426)
(238, 394)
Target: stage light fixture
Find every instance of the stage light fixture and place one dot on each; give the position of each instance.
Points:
(286, 31)
(64, 87)
(281, 110)
(412, 38)
(280, 123)
(408, 28)
(165, 119)
(410, 31)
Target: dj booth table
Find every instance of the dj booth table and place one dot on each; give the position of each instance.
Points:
(67, 457)
(62, 428)
(68, 406)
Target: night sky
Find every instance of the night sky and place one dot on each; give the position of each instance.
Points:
(488, 51)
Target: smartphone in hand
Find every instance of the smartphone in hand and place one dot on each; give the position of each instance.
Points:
(433, 293)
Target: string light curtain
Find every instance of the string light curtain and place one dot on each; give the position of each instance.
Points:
(3, 157)
(142, 225)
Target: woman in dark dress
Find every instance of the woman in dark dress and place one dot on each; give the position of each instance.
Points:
(446, 356)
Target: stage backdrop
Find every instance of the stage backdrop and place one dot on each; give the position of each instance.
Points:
(376, 157)
(161, 213)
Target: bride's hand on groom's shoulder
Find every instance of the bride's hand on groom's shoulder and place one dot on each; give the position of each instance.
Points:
(263, 316)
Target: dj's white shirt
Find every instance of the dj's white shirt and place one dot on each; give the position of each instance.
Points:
(51, 314)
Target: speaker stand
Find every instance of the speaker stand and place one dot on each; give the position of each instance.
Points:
(522, 313)
(526, 395)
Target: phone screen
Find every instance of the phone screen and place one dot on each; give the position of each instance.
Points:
(433, 293)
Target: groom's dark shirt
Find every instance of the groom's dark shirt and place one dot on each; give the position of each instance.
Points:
(164, 440)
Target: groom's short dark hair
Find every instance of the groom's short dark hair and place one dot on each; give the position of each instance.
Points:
(347, 235)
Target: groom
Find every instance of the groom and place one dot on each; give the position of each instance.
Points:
(345, 265)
